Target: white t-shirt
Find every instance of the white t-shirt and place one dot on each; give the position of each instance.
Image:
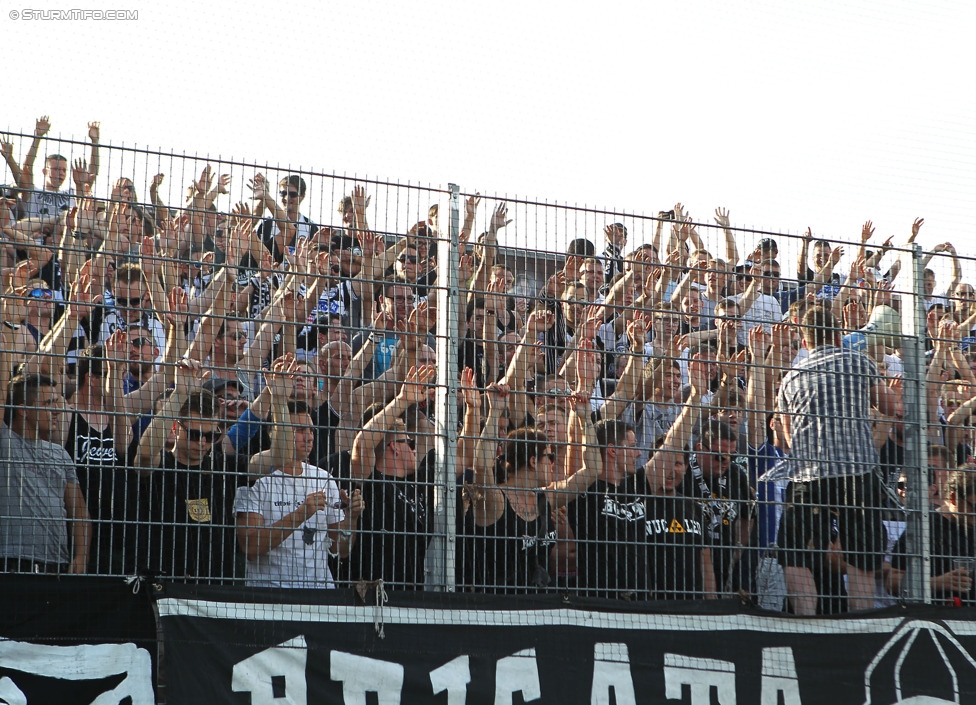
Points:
(48, 203)
(765, 312)
(302, 559)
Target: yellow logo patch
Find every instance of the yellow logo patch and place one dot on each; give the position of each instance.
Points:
(198, 509)
(676, 527)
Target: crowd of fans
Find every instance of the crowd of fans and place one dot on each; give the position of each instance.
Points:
(248, 396)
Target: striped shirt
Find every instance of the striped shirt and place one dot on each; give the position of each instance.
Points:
(828, 397)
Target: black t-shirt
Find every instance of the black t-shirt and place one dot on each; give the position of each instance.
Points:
(724, 501)
(608, 523)
(891, 459)
(395, 531)
(675, 538)
(512, 555)
(191, 515)
(110, 492)
(951, 538)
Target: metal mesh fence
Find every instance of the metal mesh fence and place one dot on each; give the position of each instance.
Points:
(279, 377)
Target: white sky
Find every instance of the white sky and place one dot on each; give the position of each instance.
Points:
(790, 114)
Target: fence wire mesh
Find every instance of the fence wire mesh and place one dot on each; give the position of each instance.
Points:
(224, 372)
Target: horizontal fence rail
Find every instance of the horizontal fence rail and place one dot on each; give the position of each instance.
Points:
(224, 372)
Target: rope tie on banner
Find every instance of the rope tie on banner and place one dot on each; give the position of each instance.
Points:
(135, 582)
(381, 599)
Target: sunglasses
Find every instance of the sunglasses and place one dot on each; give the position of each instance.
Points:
(409, 441)
(239, 335)
(41, 294)
(550, 455)
(139, 342)
(412, 259)
(720, 457)
(559, 392)
(131, 302)
(196, 435)
(288, 194)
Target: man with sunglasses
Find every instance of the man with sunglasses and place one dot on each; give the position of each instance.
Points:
(719, 483)
(286, 218)
(188, 494)
(126, 305)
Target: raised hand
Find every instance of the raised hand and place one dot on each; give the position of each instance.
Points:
(42, 126)
(354, 503)
(469, 389)
(94, 131)
(80, 174)
(587, 367)
(916, 226)
(497, 396)
(259, 187)
(465, 268)
(177, 307)
(223, 183)
(203, 184)
(80, 300)
(189, 376)
(758, 343)
(6, 149)
(157, 181)
(414, 387)
(637, 334)
(698, 377)
(360, 201)
(539, 322)
(117, 347)
(722, 218)
(471, 204)
(499, 219)
(281, 376)
(867, 231)
(782, 335)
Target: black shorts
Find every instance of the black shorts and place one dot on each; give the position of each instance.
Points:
(841, 514)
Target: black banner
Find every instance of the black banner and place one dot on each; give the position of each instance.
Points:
(73, 640)
(323, 647)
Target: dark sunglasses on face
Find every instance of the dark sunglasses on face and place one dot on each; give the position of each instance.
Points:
(288, 194)
(41, 293)
(139, 342)
(720, 457)
(409, 441)
(412, 259)
(550, 455)
(195, 435)
(131, 302)
(239, 335)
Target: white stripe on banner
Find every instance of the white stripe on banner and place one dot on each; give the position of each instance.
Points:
(174, 607)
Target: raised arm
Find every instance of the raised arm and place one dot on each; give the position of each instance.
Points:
(153, 441)
(731, 250)
(412, 391)
(41, 128)
(281, 383)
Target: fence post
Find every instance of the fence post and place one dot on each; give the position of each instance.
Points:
(917, 585)
(441, 553)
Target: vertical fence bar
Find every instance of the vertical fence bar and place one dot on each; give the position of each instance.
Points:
(441, 554)
(917, 584)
